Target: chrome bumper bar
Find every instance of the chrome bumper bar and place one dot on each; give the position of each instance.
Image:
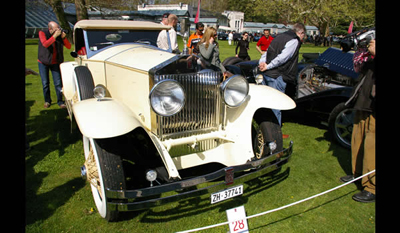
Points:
(119, 199)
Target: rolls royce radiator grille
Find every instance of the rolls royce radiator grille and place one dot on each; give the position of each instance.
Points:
(202, 110)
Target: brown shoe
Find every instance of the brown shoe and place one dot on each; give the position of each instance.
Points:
(46, 105)
(62, 106)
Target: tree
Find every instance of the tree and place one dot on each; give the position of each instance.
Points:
(321, 13)
(81, 10)
(59, 12)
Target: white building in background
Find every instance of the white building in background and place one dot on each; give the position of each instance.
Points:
(235, 20)
(275, 28)
(166, 8)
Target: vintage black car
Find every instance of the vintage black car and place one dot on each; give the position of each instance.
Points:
(324, 84)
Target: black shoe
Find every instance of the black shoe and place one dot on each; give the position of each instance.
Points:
(347, 178)
(364, 196)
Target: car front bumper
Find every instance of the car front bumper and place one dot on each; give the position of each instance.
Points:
(130, 200)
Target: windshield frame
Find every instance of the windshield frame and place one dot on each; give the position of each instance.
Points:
(94, 38)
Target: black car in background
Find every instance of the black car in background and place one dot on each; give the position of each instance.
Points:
(324, 83)
(323, 87)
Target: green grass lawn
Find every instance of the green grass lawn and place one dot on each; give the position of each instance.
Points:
(58, 200)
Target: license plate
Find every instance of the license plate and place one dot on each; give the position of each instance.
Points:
(226, 194)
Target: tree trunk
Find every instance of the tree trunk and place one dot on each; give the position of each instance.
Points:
(62, 20)
(81, 10)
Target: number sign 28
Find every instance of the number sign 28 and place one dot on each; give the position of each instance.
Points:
(237, 220)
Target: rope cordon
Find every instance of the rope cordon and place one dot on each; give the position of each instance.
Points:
(282, 207)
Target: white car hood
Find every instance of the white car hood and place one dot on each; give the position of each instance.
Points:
(136, 56)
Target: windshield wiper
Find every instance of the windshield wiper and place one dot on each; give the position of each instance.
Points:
(105, 43)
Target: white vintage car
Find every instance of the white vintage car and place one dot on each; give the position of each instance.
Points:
(158, 127)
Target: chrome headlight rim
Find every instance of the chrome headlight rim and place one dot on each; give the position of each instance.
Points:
(156, 89)
(227, 84)
(99, 92)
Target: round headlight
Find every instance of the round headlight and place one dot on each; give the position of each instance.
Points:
(167, 97)
(99, 92)
(151, 175)
(259, 79)
(235, 90)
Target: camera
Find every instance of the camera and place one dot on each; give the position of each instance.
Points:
(66, 31)
(358, 39)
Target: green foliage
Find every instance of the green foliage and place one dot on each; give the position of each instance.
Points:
(323, 14)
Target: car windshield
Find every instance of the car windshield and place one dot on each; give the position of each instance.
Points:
(97, 40)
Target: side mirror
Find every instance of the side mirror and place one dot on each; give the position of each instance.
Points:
(74, 54)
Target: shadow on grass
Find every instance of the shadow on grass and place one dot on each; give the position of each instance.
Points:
(48, 131)
(42, 206)
(342, 154)
(198, 205)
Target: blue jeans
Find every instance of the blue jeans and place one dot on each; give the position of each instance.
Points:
(44, 75)
(279, 85)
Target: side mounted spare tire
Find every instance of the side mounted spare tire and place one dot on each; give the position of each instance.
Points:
(231, 61)
(85, 84)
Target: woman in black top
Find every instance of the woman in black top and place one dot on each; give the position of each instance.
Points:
(244, 46)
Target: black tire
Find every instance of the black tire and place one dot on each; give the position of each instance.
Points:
(111, 175)
(341, 124)
(231, 61)
(267, 132)
(85, 82)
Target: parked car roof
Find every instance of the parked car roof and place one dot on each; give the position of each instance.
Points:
(120, 24)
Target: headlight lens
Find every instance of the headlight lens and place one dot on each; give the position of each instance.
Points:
(151, 175)
(99, 92)
(167, 97)
(235, 90)
(259, 78)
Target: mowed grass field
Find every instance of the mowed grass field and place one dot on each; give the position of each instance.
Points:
(59, 200)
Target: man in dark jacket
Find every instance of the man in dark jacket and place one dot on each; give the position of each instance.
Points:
(50, 56)
(279, 63)
(363, 137)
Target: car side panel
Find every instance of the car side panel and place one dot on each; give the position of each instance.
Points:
(67, 74)
(131, 88)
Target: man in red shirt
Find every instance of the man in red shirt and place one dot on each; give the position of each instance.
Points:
(263, 43)
(50, 56)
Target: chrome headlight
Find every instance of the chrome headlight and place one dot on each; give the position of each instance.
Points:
(99, 92)
(151, 175)
(235, 90)
(259, 79)
(167, 97)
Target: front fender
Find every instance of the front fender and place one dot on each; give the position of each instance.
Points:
(67, 74)
(268, 97)
(239, 120)
(260, 96)
(104, 119)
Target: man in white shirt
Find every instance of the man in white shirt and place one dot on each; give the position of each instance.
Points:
(165, 39)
